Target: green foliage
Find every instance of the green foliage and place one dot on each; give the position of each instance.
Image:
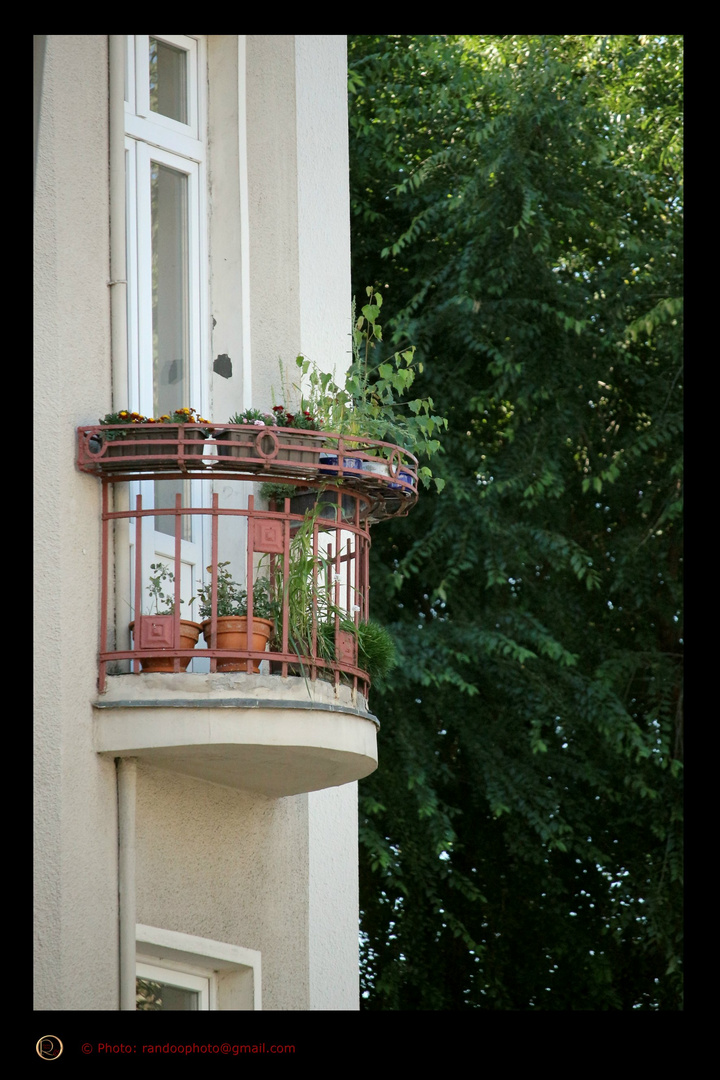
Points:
(377, 653)
(232, 597)
(253, 416)
(521, 842)
(373, 400)
(307, 592)
(162, 578)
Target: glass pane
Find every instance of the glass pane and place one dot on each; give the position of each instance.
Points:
(170, 305)
(168, 80)
(170, 287)
(160, 997)
(165, 492)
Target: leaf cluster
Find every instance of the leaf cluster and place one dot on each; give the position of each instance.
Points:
(519, 199)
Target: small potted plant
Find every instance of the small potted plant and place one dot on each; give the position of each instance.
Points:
(369, 645)
(374, 403)
(119, 441)
(297, 448)
(186, 433)
(231, 618)
(303, 499)
(377, 653)
(247, 444)
(157, 630)
(306, 594)
(142, 437)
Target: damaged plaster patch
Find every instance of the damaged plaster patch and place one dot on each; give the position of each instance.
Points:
(222, 365)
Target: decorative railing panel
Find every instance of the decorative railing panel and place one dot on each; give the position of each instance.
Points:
(383, 473)
(305, 581)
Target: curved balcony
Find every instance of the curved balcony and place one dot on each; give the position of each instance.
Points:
(383, 473)
(280, 714)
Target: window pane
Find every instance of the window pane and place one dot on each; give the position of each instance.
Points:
(165, 492)
(160, 997)
(170, 305)
(169, 213)
(168, 80)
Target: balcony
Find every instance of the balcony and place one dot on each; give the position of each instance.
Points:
(281, 707)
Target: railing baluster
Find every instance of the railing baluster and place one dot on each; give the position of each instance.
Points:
(338, 575)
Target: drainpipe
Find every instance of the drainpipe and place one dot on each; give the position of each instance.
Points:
(127, 783)
(118, 321)
(126, 767)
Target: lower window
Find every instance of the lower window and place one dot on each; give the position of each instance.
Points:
(183, 973)
(164, 990)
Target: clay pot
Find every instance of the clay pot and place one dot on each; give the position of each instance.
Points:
(157, 630)
(232, 633)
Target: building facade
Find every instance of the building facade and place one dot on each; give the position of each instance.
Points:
(195, 830)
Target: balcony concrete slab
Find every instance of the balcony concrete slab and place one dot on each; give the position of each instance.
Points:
(261, 733)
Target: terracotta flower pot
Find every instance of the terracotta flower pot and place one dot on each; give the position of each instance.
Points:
(232, 633)
(157, 631)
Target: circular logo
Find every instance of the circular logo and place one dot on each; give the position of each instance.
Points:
(49, 1047)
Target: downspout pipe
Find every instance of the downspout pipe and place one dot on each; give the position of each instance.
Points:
(127, 788)
(118, 320)
(126, 767)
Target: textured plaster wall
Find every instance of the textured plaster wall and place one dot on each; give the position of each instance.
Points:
(324, 287)
(75, 854)
(229, 866)
(334, 904)
(275, 875)
(224, 222)
(323, 199)
(273, 209)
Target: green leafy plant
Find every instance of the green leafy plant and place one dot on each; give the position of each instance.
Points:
(302, 420)
(121, 417)
(377, 652)
(374, 400)
(164, 601)
(124, 416)
(253, 416)
(307, 593)
(278, 491)
(232, 597)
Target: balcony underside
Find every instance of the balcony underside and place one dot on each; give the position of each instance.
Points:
(259, 733)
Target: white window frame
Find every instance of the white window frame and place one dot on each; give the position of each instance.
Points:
(151, 137)
(185, 139)
(232, 973)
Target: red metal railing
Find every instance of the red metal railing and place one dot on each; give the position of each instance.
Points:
(320, 560)
(385, 474)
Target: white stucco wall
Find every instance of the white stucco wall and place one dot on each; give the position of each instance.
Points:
(323, 200)
(75, 802)
(279, 876)
(229, 866)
